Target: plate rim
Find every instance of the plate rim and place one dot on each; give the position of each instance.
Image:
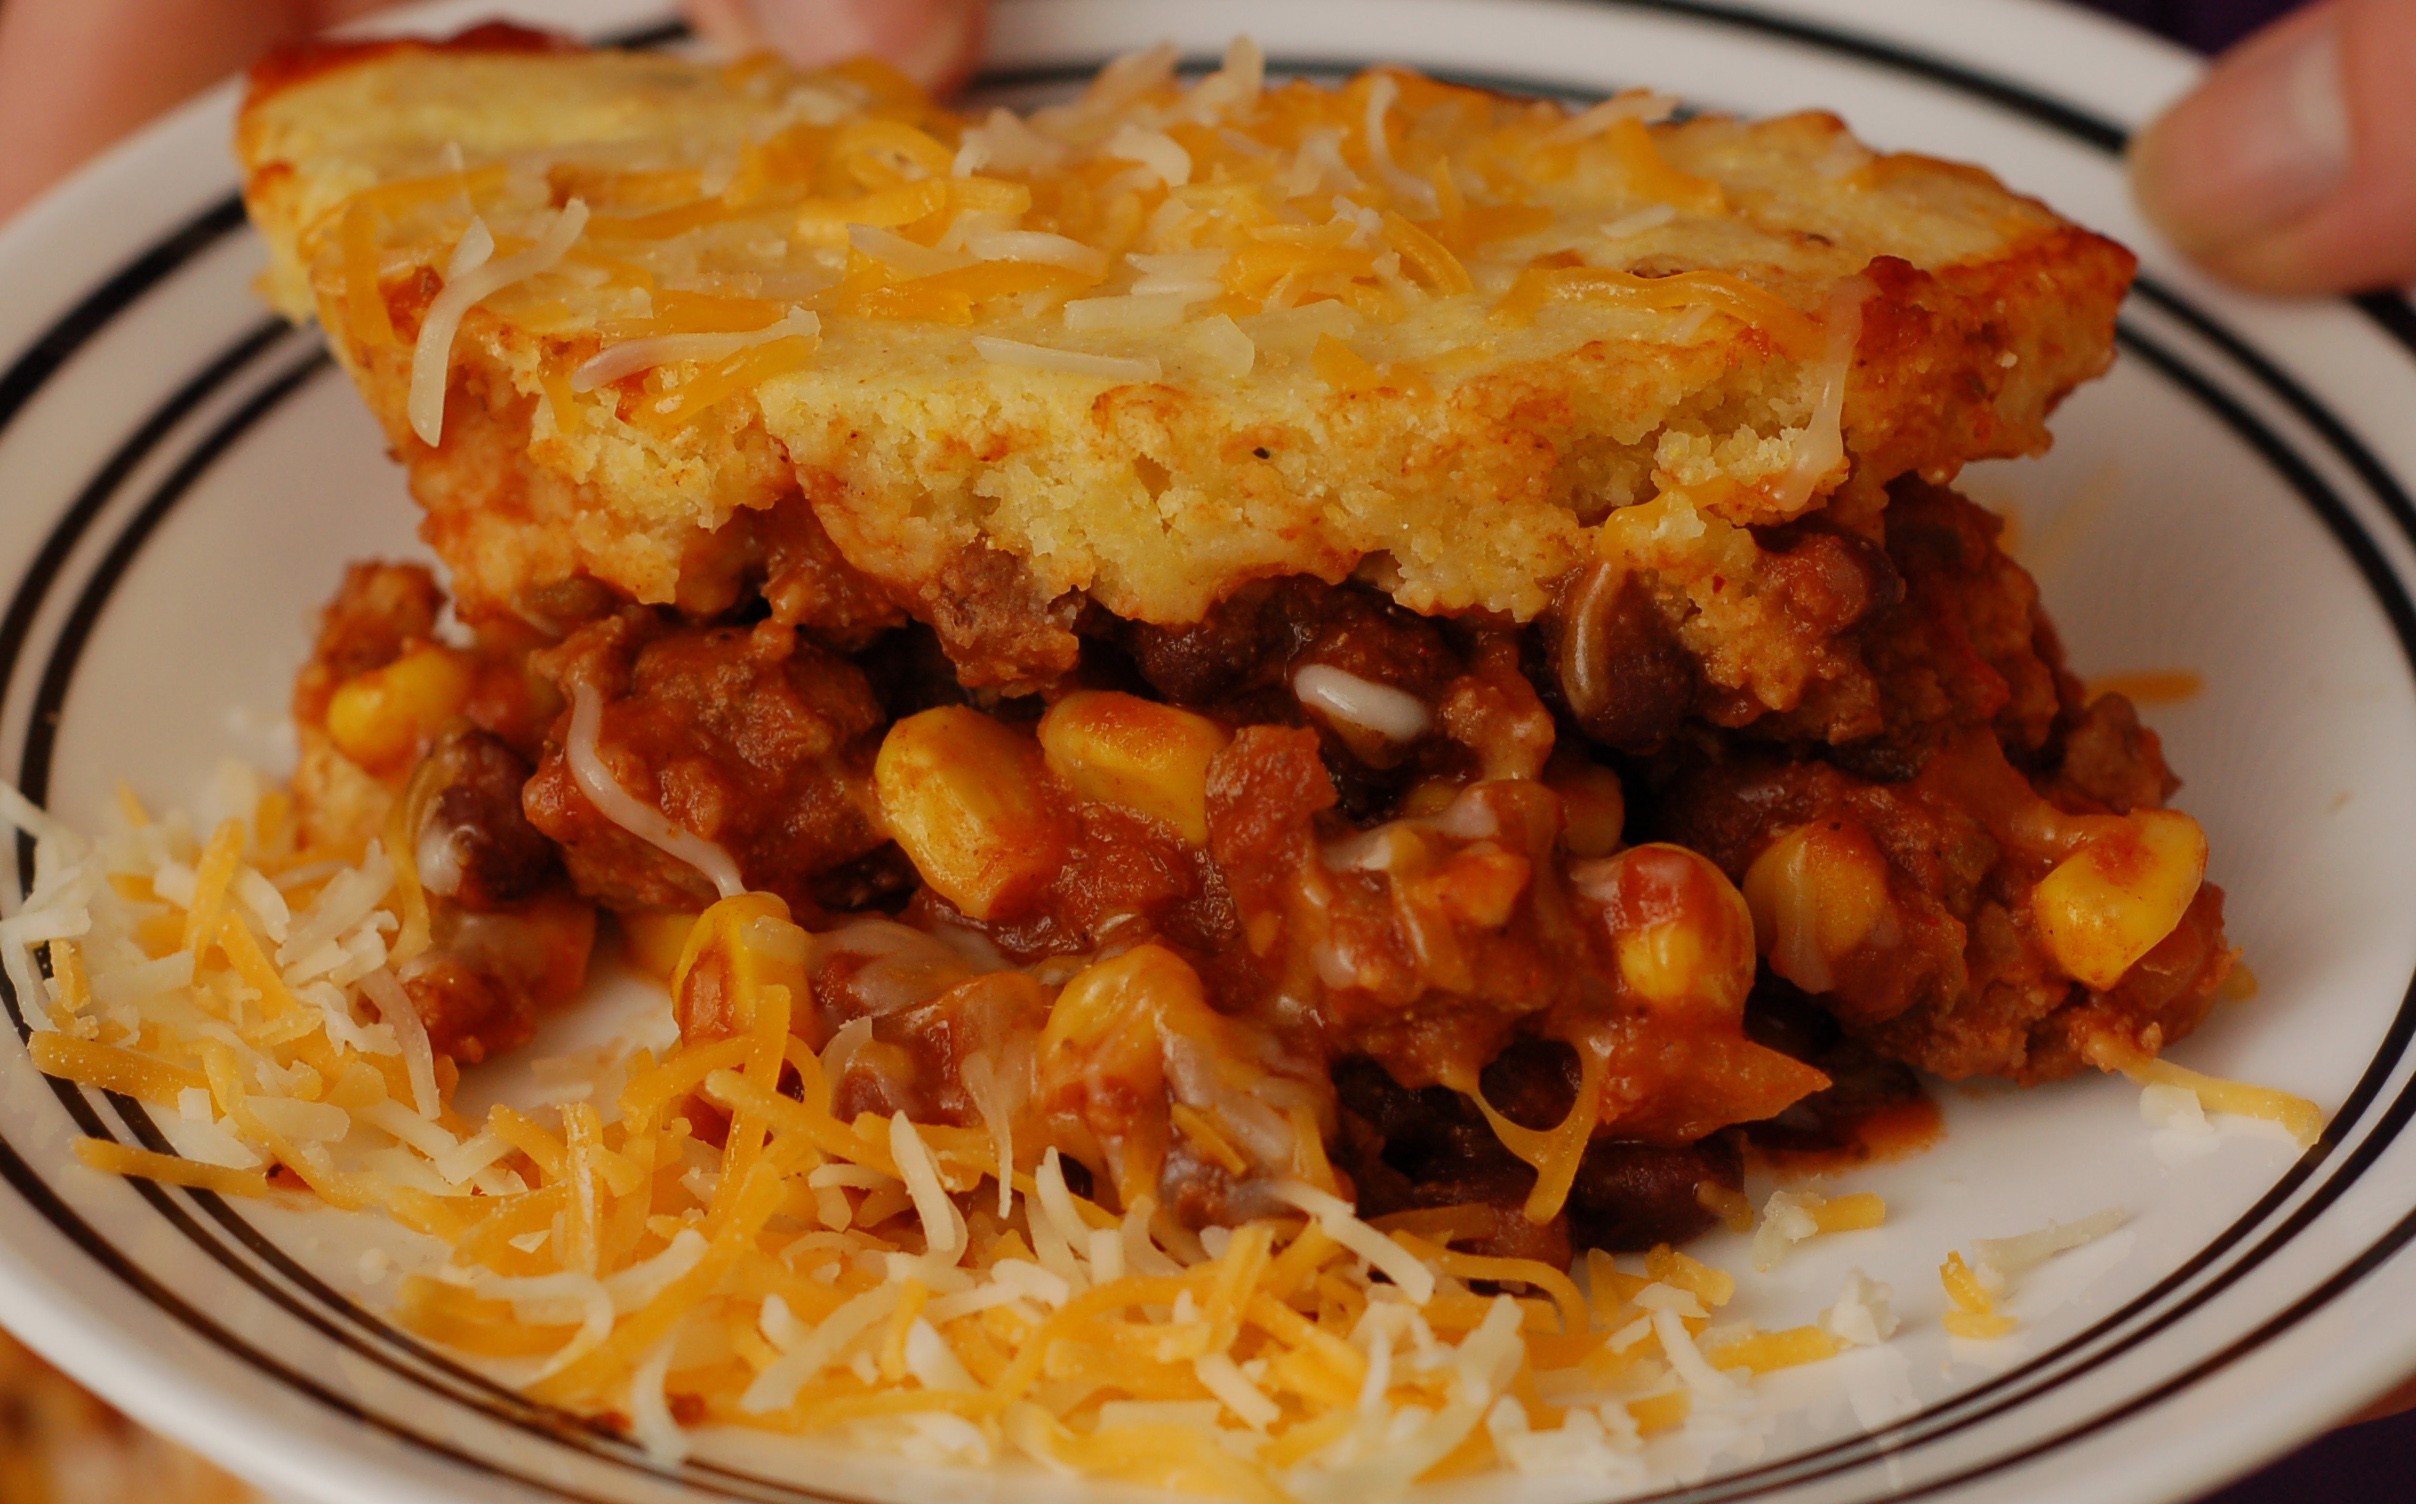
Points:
(127, 160)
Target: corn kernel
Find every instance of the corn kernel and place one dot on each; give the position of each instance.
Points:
(379, 718)
(1816, 894)
(1104, 1050)
(1122, 995)
(2110, 902)
(1593, 810)
(1148, 758)
(733, 953)
(965, 798)
(1681, 932)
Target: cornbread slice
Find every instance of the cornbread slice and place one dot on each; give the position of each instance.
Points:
(813, 336)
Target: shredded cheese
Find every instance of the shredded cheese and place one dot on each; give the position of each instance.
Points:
(1789, 1217)
(1973, 1314)
(1362, 704)
(142, 1164)
(2301, 1119)
(1029, 357)
(1336, 1219)
(1038, 245)
(2008, 1258)
(471, 277)
(1374, 199)
(1820, 446)
(630, 357)
(622, 808)
(1861, 1317)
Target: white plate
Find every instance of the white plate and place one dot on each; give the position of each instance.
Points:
(181, 480)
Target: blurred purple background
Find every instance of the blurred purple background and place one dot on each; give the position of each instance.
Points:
(2207, 25)
(2372, 1463)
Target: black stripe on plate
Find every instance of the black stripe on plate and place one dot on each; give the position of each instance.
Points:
(2278, 454)
(2392, 311)
(1912, 1431)
(1942, 1420)
(324, 1306)
(52, 556)
(73, 329)
(13, 1167)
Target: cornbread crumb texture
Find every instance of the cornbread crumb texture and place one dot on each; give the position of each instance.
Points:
(1417, 332)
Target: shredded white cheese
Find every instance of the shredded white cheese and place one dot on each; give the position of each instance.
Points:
(1678, 1345)
(472, 277)
(632, 356)
(1129, 313)
(1786, 1221)
(651, 1422)
(629, 812)
(1646, 105)
(892, 249)
(1820, 446)
(1651, 217)
(1041, 246)
(943, 1228)
(1381, 95)
(1861, 1316)
(1155, 150)
(2007, 1258)
(1223, 347)
(1394, 714)
(806, 1353)
(1005, 143)
(2174, 1109)
(396, 1010)
(1224, 1379)
(1338, 1221)
(1015, 353)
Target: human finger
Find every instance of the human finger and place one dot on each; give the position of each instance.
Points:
(77, 74)
(2292, 167)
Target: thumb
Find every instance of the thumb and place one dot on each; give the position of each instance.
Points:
(934, 42)
(2292, 168)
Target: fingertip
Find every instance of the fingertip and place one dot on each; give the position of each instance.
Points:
(2292, 167)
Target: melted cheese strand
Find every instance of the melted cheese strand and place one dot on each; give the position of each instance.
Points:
(1406, 185)
(1820, 446)
(1394, 714)
(632, 356)
(629, 812)
(470, 279)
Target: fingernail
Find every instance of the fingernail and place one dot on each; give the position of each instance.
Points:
(2263, 141)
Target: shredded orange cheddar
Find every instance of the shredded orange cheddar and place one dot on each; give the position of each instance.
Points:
(142, 1164)
(1766, 1352)
(1661, 1412)
(110, 1068)
(1793, 330)
(1850, 1213)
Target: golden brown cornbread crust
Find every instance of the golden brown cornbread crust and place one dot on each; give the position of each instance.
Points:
(1472, 477)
